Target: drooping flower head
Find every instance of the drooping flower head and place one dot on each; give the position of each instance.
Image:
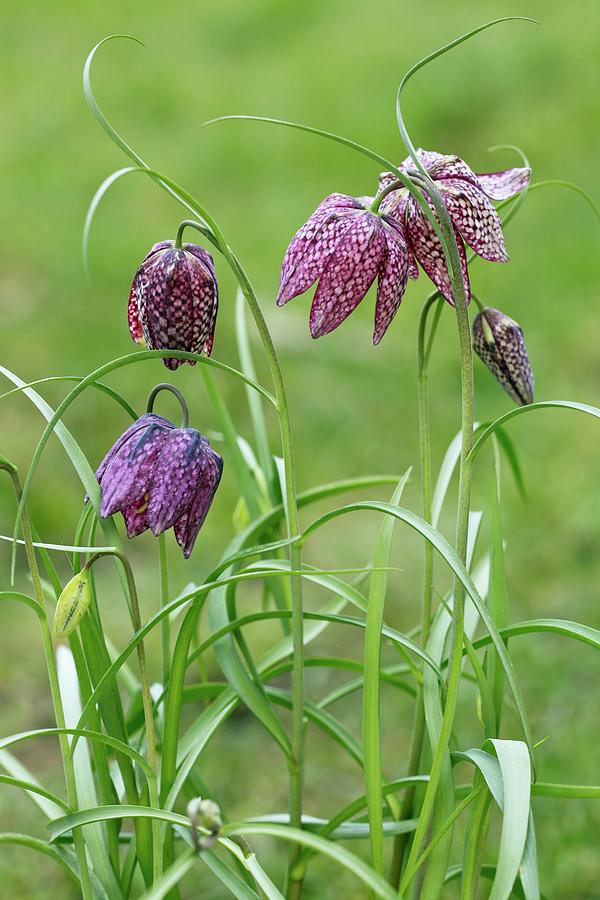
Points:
(468, 199)
(498, 341)
(346, 246)
(173, 301)
(160, 476)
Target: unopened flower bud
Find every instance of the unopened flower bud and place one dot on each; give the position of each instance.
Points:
(499, 343)
(72, 605)
(205, 814)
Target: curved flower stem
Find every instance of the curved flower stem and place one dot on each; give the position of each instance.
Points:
(418, 726)
(59, 714)
(462, 517)
(136, 622)
(293, 524)
(165, 386)
(394, 186)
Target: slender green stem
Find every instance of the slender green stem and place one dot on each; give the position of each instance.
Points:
(418, 728)
(293, 525)
(462, 517)
(164, 599)
(394, 186)
(59, 714)
(164, 386)
(136, 622)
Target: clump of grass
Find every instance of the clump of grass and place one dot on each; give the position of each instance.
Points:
(128, 750)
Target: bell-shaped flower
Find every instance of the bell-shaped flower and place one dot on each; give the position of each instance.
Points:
(468, 200)
(159, 477)
(346, 246)
(498, 341)
(173, 301)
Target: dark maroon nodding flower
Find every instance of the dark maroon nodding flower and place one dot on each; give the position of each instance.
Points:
(173, 301)
(467, 197)
(498, 341)
(159, 477)
(346, 247)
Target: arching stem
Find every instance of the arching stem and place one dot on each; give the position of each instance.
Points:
(296, 764)
(59, 714)
(136, 623)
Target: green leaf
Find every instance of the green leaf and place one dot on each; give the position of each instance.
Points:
(49, 803)
(172, 876)
(498, 602)
(24, 840)
(520, 410)
(254, 401)
(371, 728)
(338, 854)
(95, 836)
(513, 757)
(447, 552)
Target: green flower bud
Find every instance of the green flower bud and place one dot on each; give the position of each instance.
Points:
(204, 814)
(72, 605)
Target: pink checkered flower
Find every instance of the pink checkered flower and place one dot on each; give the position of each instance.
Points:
(159, 477)
(173, 301)
(468, 199)
(345, 247)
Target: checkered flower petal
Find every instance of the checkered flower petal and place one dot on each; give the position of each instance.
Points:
(498, 341)
(135, 429)
(187, 527)
(159, 476)
(312, 245)
(175, 478)
(430, 253)
(393, 276)
(176, 293)
(349, 273)
(127, 477)
(133, 317)
(505, 184)
(475, 217)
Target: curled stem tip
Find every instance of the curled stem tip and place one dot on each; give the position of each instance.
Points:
(164, 386)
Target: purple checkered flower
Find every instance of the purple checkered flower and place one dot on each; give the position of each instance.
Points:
(346, 246)
(159, 477)
(468, 199)
(173, 301)
(498, 341)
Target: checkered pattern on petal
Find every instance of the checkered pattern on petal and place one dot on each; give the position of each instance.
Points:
(475, 218)
(175, 478)
(427, 158)
(312, 244)
(393, 276)
(505, 184)
(127, 477)
(136, 518)
(430, 253)
(177, 295)
(348, 274)
(133, 432)
(498, 341)
(187, 527)
(133, 317)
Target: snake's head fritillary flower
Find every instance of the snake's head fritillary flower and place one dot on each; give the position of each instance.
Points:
(159, 477)
(498, 341)
(468, 199)
(173, 301)
(345, 247)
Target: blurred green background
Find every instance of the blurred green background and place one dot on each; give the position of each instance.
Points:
(336, 65)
